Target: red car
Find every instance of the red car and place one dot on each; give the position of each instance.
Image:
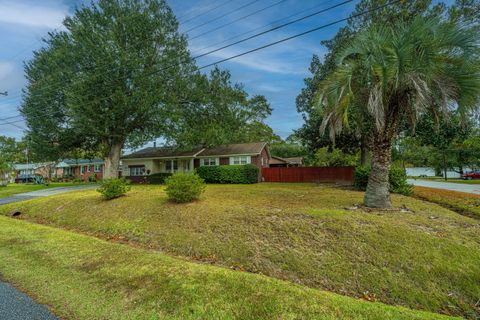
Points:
(471, 175)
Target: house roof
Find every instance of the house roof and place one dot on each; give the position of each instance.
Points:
(234, 149)
(292, 160)
(223, 150)
(30, 166)
(74, 162)
(163, 152)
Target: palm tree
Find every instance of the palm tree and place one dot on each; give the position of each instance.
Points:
(393, 73)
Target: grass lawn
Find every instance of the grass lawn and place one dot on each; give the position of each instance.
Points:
(425, 259)
(465, 203)
(15, 188)
(82, 277)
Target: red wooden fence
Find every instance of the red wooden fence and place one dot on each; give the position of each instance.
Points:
(309, 174)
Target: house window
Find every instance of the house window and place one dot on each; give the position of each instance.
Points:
(88, 168)
(82, 169)
(137, 171)
(97, 168)
(209, 162)
(240, 160)
(171, 164)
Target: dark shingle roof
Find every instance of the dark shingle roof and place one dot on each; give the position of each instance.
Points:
(232, 149)
(162, 152)
(224, 150)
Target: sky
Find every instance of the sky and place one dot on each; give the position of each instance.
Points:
(276, 72)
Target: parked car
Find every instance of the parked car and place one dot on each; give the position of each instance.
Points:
(471, 175)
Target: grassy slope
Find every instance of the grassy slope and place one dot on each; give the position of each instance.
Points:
(465, 203)
(426, 259)
(15, 188)
(82, 277)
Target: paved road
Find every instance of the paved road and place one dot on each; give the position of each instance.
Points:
(468, 188)
(15, 305)
(44, 193)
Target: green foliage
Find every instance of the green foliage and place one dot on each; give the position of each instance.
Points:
(287, 150)
(334, 158)
(397, 178)
(219, 111)
(157, 178)
(184, 187)
(103, 80)
(242, 174)
(93, 178)
(114, 188)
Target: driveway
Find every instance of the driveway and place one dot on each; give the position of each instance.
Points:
(15, 305)
(44, 193)
(460, 187)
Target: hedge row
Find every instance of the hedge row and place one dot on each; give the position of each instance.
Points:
(157, 178)
(242, 174)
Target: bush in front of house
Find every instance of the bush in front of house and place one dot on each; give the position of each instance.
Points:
(114, 188)
(157, 178)
(184, 187)
(397, 178)
(238, 174)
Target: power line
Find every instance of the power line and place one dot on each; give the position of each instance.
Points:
(253, 36)
(264, 26)
(298, 35)
(238, 19)
(274, 43)
(273, 29)
(220, 17)
(208, 10)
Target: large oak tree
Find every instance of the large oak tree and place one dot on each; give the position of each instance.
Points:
(107, 80)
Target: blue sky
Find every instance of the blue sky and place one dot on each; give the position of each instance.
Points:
(276, 72)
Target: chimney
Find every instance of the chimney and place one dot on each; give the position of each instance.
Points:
(154, 144)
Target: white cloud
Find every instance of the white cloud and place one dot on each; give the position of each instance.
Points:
(32, 15)
(11, 77)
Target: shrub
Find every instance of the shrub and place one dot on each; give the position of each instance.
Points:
(93, 178)
(184, 187)
(114, 188)
(397, 178)
(242, 174)
(157, 178)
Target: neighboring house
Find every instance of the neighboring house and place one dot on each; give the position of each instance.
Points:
(26, 172)
(170, 159)
(69, 168)
(286, 162)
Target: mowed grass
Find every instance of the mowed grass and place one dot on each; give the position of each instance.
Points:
(424, 259)
(82, 277)
(15, 188)
(465, 203)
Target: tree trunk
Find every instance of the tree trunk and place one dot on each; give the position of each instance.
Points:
(378, 194)
(112, 161)
(363, 151)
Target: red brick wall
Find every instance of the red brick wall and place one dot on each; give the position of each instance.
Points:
(257, 160)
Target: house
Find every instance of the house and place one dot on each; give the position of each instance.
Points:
(170, 159)
(26, 172)
(286, 162)
(65, 169)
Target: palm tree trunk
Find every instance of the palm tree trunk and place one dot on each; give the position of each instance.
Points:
(378, 194)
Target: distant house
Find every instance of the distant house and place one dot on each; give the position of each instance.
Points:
(69, 168)
(286, 162)
(170, 159)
